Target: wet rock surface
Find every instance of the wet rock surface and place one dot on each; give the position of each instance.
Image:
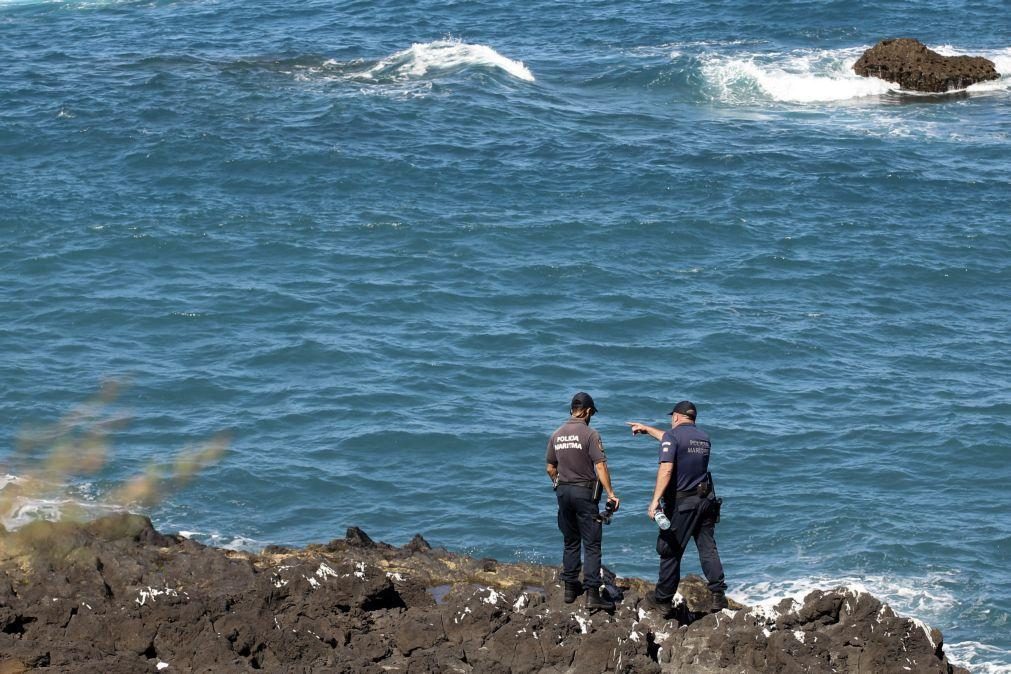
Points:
(913, 66)
(114, 595)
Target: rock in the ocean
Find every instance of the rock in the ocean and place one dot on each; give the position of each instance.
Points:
(910, 64)
(115, 596)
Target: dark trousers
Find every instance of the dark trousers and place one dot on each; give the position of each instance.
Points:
(690, 518)
(577, 519)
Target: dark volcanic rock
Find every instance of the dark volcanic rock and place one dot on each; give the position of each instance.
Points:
(116, 596)
(910, 64)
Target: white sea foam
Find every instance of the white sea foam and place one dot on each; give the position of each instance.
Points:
(424, 59)
(8, 479)
(25, 510)
(806, 76)
(979, 658)
(238, 543)
(814, 76)
(22, 510)
(1001, 60)
(923, 597)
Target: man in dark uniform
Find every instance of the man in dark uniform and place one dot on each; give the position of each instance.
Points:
(575, 462)
(689, 502)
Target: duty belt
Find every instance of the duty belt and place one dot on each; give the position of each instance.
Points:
(701, 490)
(588, 484)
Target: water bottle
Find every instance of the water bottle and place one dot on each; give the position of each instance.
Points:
(661, 519)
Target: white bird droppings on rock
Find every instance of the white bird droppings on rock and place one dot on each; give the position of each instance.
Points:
(926, 630)
(152, 592)
(323, 571)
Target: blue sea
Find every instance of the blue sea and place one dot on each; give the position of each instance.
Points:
(371, 249)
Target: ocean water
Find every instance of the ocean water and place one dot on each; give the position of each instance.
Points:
(381, 244)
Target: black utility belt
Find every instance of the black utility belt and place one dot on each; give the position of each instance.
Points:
(701, 490)
(589, 484)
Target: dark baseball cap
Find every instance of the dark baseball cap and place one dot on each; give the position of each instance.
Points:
(685, 407)
(583, 401)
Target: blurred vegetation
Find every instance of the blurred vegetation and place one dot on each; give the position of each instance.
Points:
(47, 460)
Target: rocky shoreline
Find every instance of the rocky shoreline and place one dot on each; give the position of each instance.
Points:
(115, 595)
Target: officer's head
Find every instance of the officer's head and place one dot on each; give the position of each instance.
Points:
(582, 405)
(683, 412)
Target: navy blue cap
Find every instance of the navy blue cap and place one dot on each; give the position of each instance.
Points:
(583, 401)
(685, 407)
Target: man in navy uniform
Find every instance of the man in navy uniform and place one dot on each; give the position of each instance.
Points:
(575, 463)
(689, 502)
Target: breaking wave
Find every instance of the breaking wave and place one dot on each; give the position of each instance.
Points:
(430, 59)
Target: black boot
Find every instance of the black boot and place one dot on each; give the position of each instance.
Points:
(664, 606)
(595, 602)
(572, 590)
(719, 602)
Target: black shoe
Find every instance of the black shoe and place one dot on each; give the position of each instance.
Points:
(719, 602)
(595, 602)
(664, 606)
(572, 590)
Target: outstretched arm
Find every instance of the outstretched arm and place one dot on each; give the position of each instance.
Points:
(638, 428)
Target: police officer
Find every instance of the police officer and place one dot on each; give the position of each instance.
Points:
(689, 502)
(575, 463)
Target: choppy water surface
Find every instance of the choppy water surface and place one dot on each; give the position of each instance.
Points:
(382, 244)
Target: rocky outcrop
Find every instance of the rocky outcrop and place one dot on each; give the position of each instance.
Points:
(910, 64)
(114, 595)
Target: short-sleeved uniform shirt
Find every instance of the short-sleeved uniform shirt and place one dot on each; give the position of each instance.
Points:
(687, 447)
(575, 448)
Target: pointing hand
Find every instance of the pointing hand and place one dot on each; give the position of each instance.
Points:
(637, 428)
